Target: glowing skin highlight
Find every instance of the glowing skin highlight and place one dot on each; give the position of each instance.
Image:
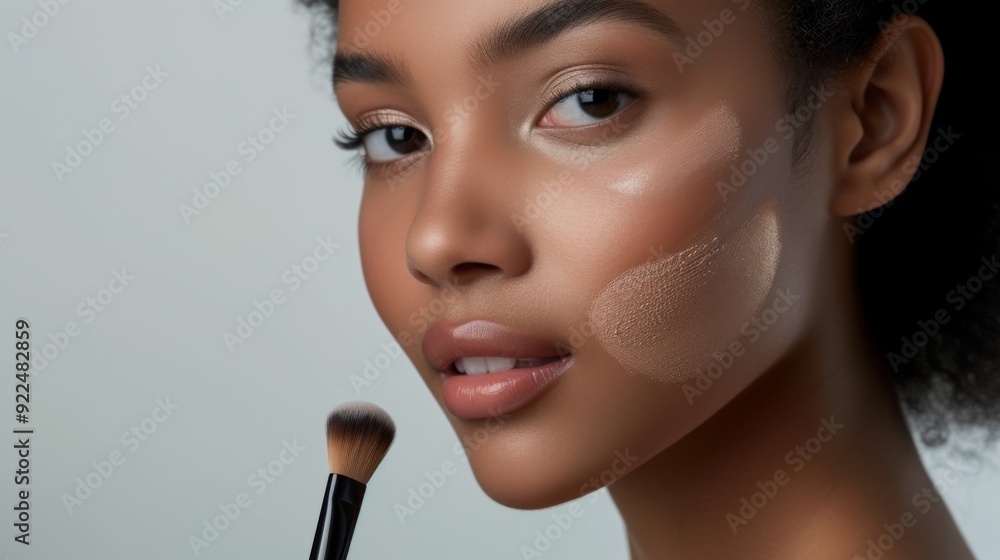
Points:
(713, 142)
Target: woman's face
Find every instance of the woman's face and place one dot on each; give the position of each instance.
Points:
(599, 194)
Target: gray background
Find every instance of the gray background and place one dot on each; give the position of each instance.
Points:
(161, 337)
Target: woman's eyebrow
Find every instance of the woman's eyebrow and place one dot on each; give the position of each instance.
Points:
(513, 37)
(522, 33)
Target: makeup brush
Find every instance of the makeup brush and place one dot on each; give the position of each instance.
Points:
(358, 435)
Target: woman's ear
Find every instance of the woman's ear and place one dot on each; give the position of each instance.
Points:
(881, 129)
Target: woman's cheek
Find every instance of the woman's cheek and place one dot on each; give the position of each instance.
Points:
(702, 263)
(667, 318)
(381, 234)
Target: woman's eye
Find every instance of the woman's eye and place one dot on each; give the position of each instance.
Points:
(393, 142)
(586, 107)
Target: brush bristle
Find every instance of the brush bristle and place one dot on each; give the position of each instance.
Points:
(358, 435)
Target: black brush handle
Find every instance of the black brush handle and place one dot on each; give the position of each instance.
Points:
(337, 518)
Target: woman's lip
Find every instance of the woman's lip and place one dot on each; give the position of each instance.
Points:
(486, 395)
(443, 343)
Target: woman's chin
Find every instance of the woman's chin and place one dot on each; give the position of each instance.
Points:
(520, 479)
(517, 487)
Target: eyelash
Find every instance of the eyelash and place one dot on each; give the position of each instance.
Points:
(352, 140)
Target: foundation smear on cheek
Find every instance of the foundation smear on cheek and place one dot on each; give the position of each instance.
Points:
(665, 318)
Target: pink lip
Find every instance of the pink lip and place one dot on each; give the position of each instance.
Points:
(486, 395)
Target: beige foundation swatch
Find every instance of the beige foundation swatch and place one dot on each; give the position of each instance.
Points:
(664, 319)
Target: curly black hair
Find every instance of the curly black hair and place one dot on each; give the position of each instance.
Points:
(926, 259)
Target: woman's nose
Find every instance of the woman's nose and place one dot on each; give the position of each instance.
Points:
(463, 228)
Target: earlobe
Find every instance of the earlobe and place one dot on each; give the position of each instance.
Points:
(881, 132)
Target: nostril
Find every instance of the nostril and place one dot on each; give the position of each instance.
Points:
(467, 267)
(468, 271)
